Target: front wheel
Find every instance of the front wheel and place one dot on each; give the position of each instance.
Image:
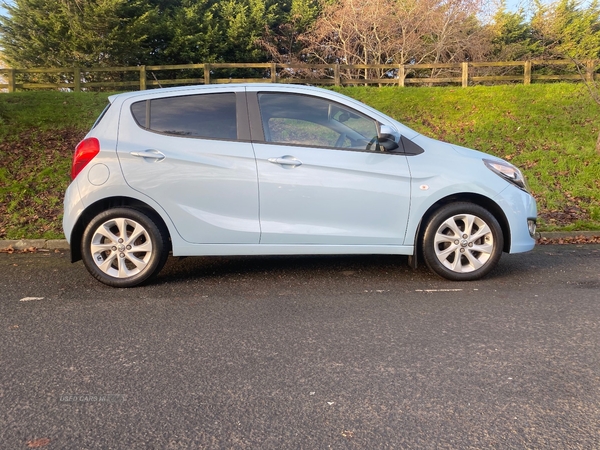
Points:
(123, 247)
(462, 242)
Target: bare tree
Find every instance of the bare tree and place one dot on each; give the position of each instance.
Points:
(396, 32)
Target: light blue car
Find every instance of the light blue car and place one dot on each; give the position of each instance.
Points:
(259, 169)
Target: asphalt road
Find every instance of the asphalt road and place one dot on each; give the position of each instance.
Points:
(283, 352)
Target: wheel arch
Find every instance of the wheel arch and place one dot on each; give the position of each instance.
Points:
(477, 199)
(103, 205)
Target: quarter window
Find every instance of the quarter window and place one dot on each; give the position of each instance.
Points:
(304, 120)
(211, 116)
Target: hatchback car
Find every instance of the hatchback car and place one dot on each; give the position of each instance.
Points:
(259, 169)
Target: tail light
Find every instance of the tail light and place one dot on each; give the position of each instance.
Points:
(86, 151)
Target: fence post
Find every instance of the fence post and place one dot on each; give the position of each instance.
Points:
(142, 78)
(273, 73)
(527, 73)
(206, 73)
(336, 74)
(465, 74)
(589, 72)
(11, 80)
(77, 79)
(401, 75)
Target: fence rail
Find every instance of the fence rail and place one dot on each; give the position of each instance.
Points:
(143, 77)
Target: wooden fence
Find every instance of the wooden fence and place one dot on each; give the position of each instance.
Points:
(144, 77)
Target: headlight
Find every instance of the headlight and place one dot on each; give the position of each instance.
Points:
(507, 171)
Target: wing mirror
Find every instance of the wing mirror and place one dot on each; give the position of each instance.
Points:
(388, 138)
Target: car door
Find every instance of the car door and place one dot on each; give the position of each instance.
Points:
(322, 177)
(192, 155)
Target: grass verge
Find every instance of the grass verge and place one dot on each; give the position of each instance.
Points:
(549, 130)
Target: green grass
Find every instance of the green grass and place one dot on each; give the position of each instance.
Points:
(38, 133)
(549, 130)
(47, 110)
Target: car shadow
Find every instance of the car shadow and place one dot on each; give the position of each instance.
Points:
(185, 268)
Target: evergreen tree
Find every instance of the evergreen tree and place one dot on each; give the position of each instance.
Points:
(283, 40)
(195, 34)
(512, 36)
(58, 33)
(243, 23)
(577, 29)
(567, 29)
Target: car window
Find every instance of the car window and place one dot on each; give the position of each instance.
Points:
(304, 120)
(101, 116)
(210, 116)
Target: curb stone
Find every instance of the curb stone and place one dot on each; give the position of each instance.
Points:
(62, 244)
(23, 244)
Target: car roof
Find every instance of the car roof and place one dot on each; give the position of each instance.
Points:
(201, 87)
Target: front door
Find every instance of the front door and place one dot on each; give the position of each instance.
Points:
(323, 179)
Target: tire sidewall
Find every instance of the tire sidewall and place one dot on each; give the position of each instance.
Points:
(156, 237)
(450, 210)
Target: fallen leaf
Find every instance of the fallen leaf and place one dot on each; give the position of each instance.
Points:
(348, 434)
(37, 443)
(28, 299)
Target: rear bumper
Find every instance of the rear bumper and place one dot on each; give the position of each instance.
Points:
(73, 208)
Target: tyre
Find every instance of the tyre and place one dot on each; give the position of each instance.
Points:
(462, 242)
(123, 247)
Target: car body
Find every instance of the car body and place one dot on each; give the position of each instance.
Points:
(273, 169)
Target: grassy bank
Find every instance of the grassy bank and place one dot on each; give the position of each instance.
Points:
(38, 134)
(547, 130)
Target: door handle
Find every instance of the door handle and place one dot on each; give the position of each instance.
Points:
(150, 154)
(286, 161)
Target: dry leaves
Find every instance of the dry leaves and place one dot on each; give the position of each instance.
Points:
(11, 250)
(570, 240)
(38, 443)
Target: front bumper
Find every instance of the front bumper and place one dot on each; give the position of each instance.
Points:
(521, 212)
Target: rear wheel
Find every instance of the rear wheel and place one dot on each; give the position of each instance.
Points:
(123, 247)
(462, 242)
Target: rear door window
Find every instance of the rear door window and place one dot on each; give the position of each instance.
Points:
(209, 116)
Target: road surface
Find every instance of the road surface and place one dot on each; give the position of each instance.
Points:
(302, 352)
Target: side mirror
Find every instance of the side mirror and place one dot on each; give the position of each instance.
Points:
(387, 144)
(388, 138)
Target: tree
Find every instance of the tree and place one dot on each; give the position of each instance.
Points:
(396, 32)
(194, 34)
(567, 29)
(56, 33)
(511, 36)
(243, 23)
(282, 41)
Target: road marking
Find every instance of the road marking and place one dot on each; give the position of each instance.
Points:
(28, 299)
(438, 290)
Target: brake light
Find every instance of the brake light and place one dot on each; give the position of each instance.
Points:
(86, 151)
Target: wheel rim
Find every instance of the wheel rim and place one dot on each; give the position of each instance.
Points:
(121, 247)
(464, 243)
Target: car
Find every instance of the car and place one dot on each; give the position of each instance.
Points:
(274, 169)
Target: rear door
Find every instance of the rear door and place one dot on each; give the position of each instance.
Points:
(191, 153)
